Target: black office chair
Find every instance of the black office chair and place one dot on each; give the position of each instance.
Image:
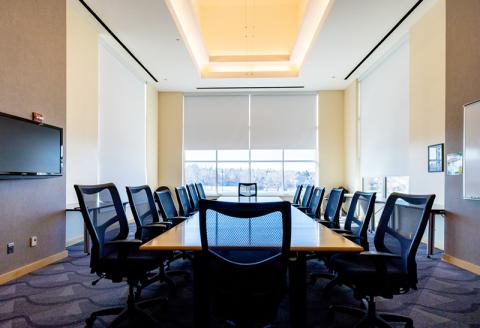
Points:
(313, 209)
(165, 203)
(183, 201)
(200, 190)
(296, 196)
(247, 189)
(355, 228)
(358, 218)
(245, 285)
(145, 213)
(391, 269)
(331, 216)
(307, 195)
(193, 196)
(113, 256)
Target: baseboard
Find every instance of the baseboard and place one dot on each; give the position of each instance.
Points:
(74, 241)
(14, 274)
(461, 263)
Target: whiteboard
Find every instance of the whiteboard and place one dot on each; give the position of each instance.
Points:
(471, 151)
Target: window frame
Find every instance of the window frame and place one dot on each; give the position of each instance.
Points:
(250, 162)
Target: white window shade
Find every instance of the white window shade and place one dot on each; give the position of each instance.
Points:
(122, 126)
(215, 122)
(283, 121)
(384, 105)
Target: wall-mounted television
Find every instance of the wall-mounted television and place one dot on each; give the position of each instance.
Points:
(29, 149)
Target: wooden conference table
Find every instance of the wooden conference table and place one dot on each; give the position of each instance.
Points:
(307, 236)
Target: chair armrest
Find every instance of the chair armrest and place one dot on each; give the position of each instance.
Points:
(350, 236)
(157, 227)
(385, 255)
(342, 231)
(295, 205)
(177, 219)
(157, 224)
(124, 242)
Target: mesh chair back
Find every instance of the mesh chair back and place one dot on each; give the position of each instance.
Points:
(183, 201)
(296, 196)
(334, 205)
(247, 189)
(104, 217)
(359, 213)
(165, 203)
(192, 192)
(307, 195)
(245, 247)
(241, 226)
(200, 191)
(316, 201)
(401, 228)
(143, 207)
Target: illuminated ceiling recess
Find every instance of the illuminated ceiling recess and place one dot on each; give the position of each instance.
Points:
(249, 38)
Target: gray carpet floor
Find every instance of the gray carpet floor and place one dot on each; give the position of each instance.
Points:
(61, 295)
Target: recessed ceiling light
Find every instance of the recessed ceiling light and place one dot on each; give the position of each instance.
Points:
(269, 62)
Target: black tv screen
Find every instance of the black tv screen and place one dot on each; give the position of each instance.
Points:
(29, 149)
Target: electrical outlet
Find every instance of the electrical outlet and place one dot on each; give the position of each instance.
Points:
(10, 247)
(33, 241)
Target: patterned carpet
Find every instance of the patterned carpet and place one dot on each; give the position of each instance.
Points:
(61, 295)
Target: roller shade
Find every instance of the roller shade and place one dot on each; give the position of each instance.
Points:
(283, 121)
(384, 105)
(122, 127)
(215, 122)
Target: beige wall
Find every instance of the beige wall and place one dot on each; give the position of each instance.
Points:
(331, 139)
(170, 139)
(152, 136)
(352, 162)
(427, 99)
(82, 98)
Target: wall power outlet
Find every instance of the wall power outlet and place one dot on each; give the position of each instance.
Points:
(33, 241)
(10, 247)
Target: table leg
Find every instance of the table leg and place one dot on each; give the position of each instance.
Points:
(200, 304)
(86, 240)
(372, 221)
(431, 235)
(298, 291)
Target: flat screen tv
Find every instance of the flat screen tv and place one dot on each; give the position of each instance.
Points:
(29, 149)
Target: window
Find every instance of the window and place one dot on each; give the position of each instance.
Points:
(397, 184)
(384, 186)
(275, 171)
(270, 139)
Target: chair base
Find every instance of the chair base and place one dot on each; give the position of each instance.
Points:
(370, 317)
(132, 309)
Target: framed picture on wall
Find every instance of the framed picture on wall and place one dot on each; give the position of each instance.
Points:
(435, 158)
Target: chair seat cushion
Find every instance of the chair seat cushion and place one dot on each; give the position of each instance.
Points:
(135, 264)
(377, 277)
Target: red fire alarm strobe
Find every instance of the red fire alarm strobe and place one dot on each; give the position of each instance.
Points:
(37, 117)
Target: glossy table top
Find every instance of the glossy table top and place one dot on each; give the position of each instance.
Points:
(307, 235)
